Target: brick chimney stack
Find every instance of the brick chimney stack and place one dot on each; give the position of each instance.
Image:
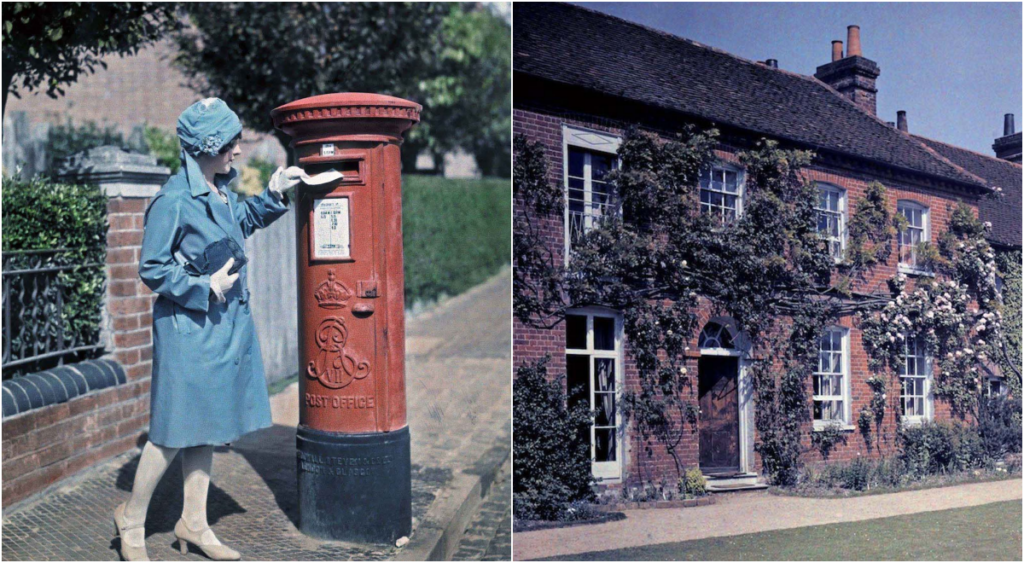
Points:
(1008, 147)
(853, 75)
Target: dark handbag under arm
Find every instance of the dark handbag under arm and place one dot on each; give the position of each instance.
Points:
(214, 257)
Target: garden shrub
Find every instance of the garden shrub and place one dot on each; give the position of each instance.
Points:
(890, 472)
(164, 146)
(551, 466)
(39, 214)
(999, 426)
(693, 484)
(456, 234)
(856, 475)
(940, 447)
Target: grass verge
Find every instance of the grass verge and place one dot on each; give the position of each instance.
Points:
(979, 533)
(930, 482)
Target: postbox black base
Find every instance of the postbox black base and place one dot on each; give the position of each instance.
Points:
(354, 487)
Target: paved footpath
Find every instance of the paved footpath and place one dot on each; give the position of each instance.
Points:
(748, 513)
(459, 404)
(488, 537)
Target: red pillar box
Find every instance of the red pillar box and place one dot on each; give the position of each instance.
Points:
(353, 438)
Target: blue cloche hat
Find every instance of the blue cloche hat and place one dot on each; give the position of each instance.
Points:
(204, 128)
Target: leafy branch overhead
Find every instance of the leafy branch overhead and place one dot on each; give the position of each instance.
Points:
(48, 45)
(451, 58)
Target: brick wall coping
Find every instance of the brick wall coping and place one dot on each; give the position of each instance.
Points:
(118, 171)
(59, 385)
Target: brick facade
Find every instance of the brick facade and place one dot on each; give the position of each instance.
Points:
(543, 121)
(132, 90)
(43, 446)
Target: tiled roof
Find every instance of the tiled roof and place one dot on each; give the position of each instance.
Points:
(1004, 212)
(577, 46)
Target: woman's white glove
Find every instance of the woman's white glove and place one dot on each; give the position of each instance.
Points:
(221, 281)
(285, 179)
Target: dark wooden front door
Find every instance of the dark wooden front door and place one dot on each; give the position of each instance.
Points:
(719, 414)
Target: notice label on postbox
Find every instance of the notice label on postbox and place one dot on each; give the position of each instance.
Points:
(331, 228)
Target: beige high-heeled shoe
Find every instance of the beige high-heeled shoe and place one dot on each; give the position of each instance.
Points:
(213, 551)
(128, 552)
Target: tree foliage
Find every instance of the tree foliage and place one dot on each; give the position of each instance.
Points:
(451, 58)
(468, 98)
(50, 44)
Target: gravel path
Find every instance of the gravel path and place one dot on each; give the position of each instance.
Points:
(748, 513)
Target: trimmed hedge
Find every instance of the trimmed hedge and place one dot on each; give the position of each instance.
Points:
(457, 233)
(38, 214)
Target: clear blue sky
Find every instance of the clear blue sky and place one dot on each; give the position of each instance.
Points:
(954, 67)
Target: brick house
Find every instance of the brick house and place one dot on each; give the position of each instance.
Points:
(582, 78)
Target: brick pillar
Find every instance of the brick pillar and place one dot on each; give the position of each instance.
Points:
(129, 181)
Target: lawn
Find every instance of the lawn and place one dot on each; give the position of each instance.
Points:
(981, 533)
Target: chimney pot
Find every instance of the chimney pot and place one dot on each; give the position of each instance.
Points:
(1008, 124)
(853, 41)
(837, 50)
(891, 123)
(774, 63)
(901, 121)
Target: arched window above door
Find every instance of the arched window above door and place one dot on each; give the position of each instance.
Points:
(716, 335)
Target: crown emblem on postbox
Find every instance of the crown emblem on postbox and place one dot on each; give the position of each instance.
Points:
(332, 294)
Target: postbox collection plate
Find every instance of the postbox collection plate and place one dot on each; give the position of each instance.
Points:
(332, 232)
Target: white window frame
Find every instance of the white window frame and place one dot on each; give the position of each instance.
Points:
(842, 215)
(928, 407)
(741, 189)
(604, 470)
(925, 229)
(591, 141)
(845, 393)
(1001, 381)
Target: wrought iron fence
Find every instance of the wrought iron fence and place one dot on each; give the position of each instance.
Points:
(36, 328)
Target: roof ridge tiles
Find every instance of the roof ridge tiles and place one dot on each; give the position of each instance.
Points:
(873, 143)
(975, 153)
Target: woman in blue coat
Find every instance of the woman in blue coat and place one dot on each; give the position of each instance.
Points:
(208, 386)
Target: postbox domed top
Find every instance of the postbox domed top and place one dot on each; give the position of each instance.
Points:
(348, 105)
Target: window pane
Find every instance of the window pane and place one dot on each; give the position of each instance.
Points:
(576, 332)
(730, 182)
(600, 165)
(577, 379)
(575, 162)
(604, 409)
(604, 333)
(604, 375)
(604, 446)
